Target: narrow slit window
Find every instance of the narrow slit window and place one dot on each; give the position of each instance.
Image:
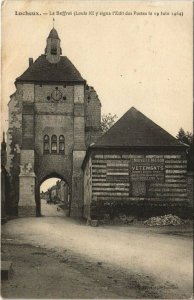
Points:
(46, 144)
(54, 144)
(61, 144)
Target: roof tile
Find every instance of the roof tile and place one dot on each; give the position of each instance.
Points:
(134, 129)
(43, 70)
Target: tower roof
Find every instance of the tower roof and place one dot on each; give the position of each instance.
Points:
(44, 71)
(134, 129)
(53, 34)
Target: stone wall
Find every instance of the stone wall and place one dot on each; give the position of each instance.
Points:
(64, 193)
(5, 194)
(28, 92)
(47, 164)
(87, 189)
(14, 141)
(44, 103)
(27, 183)
(92, 115)
(122, 181)
(33, 113)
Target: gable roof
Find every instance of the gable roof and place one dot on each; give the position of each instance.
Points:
(44, 71)
(134, 129)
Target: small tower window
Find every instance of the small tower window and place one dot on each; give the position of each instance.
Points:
(53, 50)
(54, 144)
(46, 144)
(61, 144)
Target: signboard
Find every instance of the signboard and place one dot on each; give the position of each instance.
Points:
(147, 169)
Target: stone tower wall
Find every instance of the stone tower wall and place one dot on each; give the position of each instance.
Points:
(92, 115)
(32, 115)
(14, 141)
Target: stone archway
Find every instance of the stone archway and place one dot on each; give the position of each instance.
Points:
(39, 181)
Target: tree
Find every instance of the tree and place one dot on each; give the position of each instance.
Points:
(187, 138)
(107, 121)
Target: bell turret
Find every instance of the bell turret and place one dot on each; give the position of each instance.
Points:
(53, 49)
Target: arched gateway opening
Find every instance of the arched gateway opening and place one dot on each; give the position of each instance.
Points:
(53, 196)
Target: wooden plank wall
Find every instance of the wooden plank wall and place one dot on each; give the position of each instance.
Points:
(111, 178)
(175, 184)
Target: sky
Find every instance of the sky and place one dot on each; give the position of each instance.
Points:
(48, 183)
(134, 53)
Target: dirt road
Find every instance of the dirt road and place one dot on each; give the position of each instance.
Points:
(57, 257)
(51, 210)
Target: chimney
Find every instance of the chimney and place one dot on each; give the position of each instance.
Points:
(30, 61)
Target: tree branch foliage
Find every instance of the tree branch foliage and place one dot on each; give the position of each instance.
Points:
(187, 138)
(107, 121)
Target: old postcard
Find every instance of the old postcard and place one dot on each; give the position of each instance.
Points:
(96, 149)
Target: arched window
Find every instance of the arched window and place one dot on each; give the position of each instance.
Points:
(54, 144)
(46, 144)
(61, 144)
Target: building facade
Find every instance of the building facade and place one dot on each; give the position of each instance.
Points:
(53, 117)
(136, 168)
(55, 131)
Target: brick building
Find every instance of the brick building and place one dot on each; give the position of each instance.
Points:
(53, 117)
(136, 168)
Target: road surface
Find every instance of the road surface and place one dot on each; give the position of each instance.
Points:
(113, 261)
(51, 210)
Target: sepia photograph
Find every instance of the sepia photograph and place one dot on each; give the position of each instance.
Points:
(96, 149)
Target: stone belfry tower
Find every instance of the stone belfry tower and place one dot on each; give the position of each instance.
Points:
(53, 117)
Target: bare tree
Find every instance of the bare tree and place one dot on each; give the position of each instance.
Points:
(107, 121)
